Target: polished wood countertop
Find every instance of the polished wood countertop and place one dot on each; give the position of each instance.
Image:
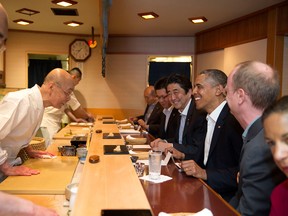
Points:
(110, 184)
(113, 184)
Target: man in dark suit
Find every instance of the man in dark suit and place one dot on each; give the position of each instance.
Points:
(189, 126)
(170, 115)
(251, 87)
(218, 160)
(150, 121)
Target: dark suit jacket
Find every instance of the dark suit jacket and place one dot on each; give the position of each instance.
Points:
(194, 131)
(224, 154)
(154, 119)
(170, 132)
(258, 174)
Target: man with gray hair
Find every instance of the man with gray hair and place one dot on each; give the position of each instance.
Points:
(52, 93)
(251, 87)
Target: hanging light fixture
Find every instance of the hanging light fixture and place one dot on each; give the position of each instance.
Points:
(92, 43)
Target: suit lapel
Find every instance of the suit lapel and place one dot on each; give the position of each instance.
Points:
(218, 127)
(189, 119)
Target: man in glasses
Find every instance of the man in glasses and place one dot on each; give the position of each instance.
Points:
(170, 115)
(189, 128)
(52, 117)
(12, 205)
(21, 114)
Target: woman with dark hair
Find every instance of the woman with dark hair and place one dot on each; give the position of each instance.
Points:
(275, 122)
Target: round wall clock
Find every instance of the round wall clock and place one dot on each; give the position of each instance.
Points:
(79, 49)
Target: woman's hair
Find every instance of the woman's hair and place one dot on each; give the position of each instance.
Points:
(280, 106)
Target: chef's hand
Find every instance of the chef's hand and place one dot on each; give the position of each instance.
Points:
(36, 153)
(80, 120)
(9, 170)
(42, 211)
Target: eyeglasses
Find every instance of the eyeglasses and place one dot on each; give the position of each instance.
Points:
(67, 94)
(162, 97)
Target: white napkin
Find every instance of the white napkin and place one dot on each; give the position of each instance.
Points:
(162, 178)
(204, 212)
(125, 125)
(122, 121)
(129, 131)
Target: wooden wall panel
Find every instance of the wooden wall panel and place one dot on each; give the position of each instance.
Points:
(282, 25)
(233, 33)
(243, 30)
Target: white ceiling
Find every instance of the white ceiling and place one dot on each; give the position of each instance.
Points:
(123, 18)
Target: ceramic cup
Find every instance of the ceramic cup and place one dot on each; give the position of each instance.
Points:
(81, 153)
(68, 150)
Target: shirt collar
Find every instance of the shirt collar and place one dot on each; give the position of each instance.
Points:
(216, 112)
(244, 135)
(186, 109)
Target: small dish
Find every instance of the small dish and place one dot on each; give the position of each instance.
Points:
(69, 188)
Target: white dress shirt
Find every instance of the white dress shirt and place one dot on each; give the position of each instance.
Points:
(52, 117)
(21, 113)
(167, 113)
(211, 122)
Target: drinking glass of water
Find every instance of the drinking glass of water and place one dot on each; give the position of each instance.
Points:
(155, 158)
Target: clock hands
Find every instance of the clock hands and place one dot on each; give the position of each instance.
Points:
(79, 50)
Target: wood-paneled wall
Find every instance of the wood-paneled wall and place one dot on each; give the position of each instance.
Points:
(270, 23)
(243, 30)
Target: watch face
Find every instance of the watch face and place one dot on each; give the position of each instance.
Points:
(80, 50)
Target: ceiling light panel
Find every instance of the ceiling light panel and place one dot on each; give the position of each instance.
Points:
(64, 3)
(197, 20)
(23, 22)
(27, 11)
(73, 23)
(148, 15)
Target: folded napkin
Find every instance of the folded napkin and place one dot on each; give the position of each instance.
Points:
(162, 178)
(121, 121)
(125, 126)
(133, 140)
(129, 131)
(204, 212)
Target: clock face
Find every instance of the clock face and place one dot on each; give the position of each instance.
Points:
(80, 50)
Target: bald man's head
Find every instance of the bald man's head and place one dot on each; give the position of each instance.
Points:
(61, 77)
(149, 95)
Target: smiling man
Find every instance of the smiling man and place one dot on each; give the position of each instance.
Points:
(169, 116)
(21, 113)
(189, 127)
(218, 160)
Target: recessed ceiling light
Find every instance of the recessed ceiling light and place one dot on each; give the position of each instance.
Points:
(23, 22)
(148, 15)
(197, 20)
(27, 11)
(73, 23)
(64, 3)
